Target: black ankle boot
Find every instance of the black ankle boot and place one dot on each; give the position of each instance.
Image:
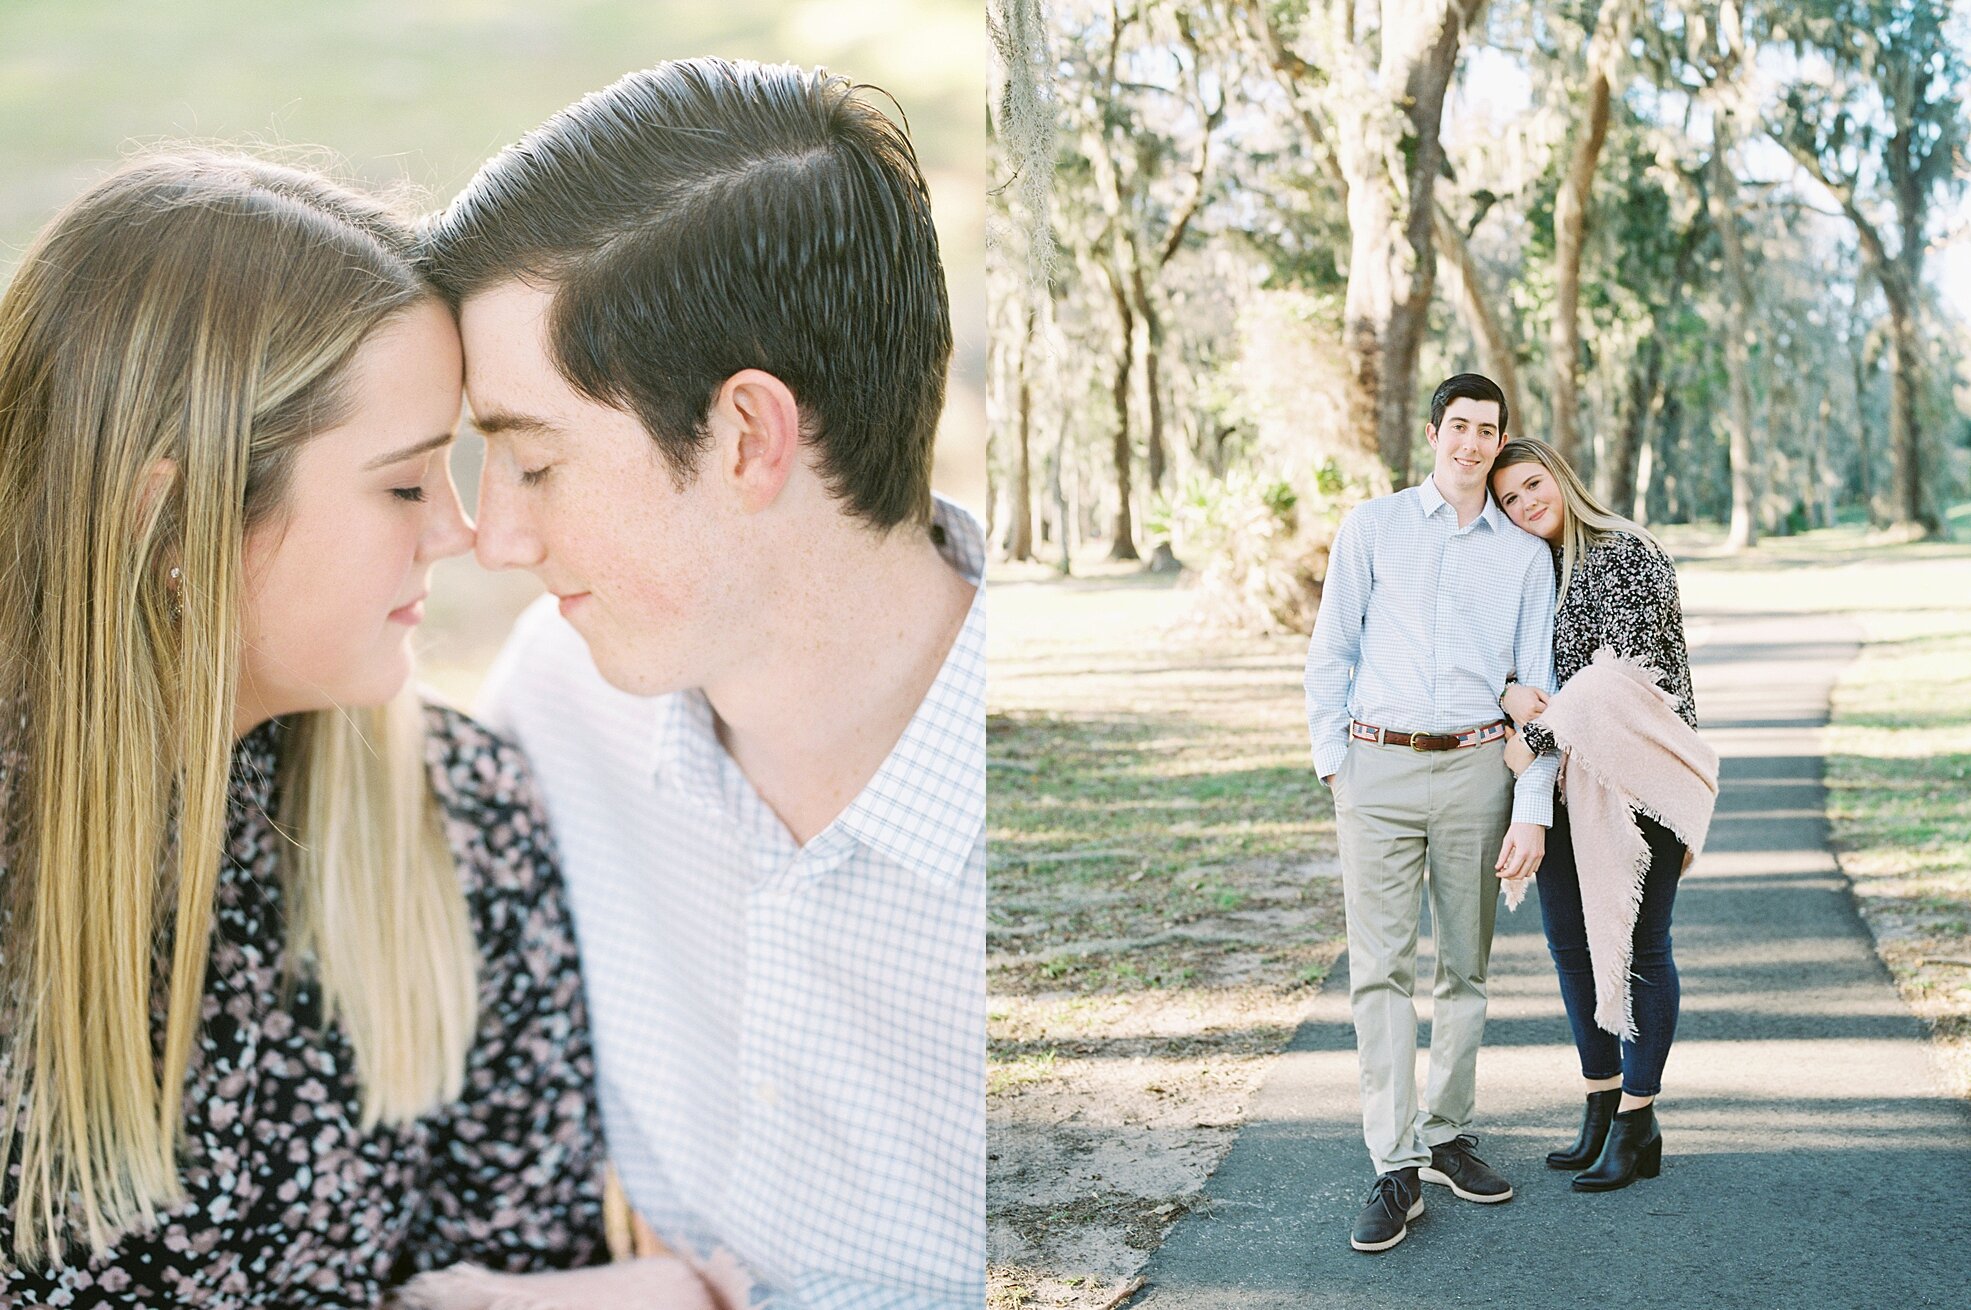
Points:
(1634, 1149)
(1594, 1131)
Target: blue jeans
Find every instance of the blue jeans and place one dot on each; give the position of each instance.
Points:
(1654, 983)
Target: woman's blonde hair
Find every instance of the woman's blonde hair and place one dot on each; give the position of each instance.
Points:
(1587, 522)
(168, 344)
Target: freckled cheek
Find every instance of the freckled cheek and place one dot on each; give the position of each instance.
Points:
(649, 597)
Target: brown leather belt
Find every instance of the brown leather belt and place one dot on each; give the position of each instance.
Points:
(1429, 741)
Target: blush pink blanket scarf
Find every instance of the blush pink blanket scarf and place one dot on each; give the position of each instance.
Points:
(1623, 748)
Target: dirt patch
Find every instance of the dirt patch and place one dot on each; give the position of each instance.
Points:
(1091, 1163)
(1165, 901)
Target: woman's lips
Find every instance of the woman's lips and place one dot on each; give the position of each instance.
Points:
(411, 614)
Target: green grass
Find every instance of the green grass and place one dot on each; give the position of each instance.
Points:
(1899, 779)
(1152, 803)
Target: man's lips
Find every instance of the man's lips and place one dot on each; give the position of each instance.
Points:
(570, 601)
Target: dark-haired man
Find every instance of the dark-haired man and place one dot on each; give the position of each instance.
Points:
(706, 337)
(1432, 602)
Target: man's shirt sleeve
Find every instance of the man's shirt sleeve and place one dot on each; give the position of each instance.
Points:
(1336, 647)
(1533, 659)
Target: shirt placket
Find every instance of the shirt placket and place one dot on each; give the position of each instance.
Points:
(1443, 617)
(784, 871)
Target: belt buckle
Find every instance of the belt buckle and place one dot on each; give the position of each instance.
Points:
(1416, 742)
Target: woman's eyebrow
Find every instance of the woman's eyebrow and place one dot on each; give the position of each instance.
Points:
(409, 452)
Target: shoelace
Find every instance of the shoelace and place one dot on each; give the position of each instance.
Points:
(1389, 1187)
(1462, 1144)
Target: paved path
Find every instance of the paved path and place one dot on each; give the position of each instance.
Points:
(1812, 1160)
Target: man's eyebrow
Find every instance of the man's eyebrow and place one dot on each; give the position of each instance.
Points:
(497, 421)
(409, 452)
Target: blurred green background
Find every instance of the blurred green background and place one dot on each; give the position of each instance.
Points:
(421, 92)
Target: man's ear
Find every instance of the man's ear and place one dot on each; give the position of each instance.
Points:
(758, 425)
(1430, 434)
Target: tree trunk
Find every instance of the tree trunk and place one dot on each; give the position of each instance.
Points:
(1122, 537)
(1122, 532)
(1163, 557)
(1057, 486)
(1864, 365)
(1019, 541)
(1738, 333)
(1824, 461)
(1645, 473)
(1625, 481)
(1909, 507)
(1615, 477)
(1388, 146)
(1154, 446)
(1467, 289)
(1570, 231)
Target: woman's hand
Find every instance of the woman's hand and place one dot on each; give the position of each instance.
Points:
(1521, 852)
(1523, 703)
(1518, 754)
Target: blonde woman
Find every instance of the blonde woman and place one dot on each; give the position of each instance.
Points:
(1618, 589)
(291, 1009)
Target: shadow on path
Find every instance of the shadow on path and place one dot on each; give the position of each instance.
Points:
(1812, 1159)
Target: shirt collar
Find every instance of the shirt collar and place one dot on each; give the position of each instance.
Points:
(959, 538)
(1430, 500)
(925, 806)
(684, 745)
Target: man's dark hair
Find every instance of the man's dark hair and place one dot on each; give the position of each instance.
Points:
(706, 216)
(1466, 386)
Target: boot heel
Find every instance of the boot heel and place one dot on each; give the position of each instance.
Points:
(1634, 1150)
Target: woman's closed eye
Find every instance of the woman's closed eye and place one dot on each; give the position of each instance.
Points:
(414, 495)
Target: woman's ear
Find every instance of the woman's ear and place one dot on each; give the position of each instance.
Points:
(757, 427)
(157, 482)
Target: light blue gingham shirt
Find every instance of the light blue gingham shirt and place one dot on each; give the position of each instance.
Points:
(1421, 621)
(790, 1040)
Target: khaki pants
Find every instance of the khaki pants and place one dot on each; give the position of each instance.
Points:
(1398, 814)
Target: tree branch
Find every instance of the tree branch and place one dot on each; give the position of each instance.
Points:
(1293, 71)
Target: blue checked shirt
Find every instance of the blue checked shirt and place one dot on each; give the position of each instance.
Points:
(790, 1040)
(1420, 623)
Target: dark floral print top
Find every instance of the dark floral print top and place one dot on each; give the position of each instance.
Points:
(288, 1201)
(1623, 594)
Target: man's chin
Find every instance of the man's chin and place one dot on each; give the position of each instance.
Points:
(623, 671)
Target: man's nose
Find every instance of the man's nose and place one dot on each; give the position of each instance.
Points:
(506, 536)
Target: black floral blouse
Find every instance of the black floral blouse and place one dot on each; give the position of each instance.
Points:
(1623, 594)
(289, 1202)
